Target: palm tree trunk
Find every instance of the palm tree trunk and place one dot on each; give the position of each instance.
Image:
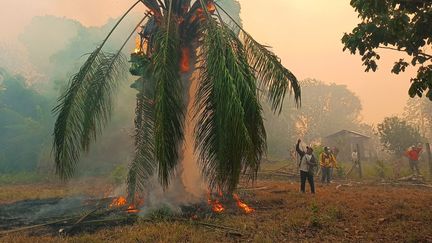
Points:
(188, 171)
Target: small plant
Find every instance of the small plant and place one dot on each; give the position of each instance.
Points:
(340, 170)
(162, 213)
(118, 175)
(315, 220)
(380, 169)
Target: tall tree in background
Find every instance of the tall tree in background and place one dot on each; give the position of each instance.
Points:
(399, 25)
(396, 135)
(177, 38)
(326, 109)
(418, 112)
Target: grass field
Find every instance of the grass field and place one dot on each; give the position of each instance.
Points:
(351, 212)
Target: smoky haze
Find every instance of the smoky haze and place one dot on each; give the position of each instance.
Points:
(45, 44)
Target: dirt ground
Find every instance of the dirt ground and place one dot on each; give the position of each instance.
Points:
(337, 213)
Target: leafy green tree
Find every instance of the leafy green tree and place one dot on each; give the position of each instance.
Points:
(178, 38)
(24, 124)
(400, 25)
(396, 135)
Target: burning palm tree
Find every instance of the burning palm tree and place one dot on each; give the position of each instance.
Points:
(177, 38)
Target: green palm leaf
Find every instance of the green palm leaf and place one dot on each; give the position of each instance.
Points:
(99, 96)
(77, 121)
(222, 139)
(246, 83)
(169, 110)
(273, 77)
(144, 162)
(68, 127)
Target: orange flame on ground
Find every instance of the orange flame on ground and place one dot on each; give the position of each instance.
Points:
(132, 209)
(121, 202)
(185, 60)
(118, 202)
(217, 207)
(243, 205)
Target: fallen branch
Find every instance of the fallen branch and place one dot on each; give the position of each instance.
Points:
(254, 188)
(225, 228)
(35, 226)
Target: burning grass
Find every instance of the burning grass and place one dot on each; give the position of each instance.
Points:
(358, 212)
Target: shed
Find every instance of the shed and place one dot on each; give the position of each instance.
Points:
(346, 142)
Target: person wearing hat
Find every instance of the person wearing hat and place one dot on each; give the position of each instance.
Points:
(307, 166)
(327, 163)
(413, 155)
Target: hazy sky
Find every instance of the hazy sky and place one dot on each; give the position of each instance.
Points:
(304, 33)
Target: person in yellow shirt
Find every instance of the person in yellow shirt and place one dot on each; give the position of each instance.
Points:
(327, 163)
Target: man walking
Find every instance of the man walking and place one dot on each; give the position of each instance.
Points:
(307, 167)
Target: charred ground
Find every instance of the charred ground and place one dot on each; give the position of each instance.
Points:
(342, 211)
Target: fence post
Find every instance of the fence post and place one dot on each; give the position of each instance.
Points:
(359, 161)
(428, 151)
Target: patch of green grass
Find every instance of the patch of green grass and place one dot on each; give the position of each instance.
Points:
(25, 178)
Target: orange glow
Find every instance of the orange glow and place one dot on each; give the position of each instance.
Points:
(217, 207)
(211, 7)
(118, 202)
(243, 205)
(122, 202)
(137, 45)
(132, 209)
(185, 60)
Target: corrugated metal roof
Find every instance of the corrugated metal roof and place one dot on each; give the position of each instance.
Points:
(342, 132)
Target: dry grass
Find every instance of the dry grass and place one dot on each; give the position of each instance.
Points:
(362, 213)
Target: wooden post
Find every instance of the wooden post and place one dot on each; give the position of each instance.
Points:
(428, 151)
(359, 161)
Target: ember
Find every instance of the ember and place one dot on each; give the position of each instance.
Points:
(185, 60)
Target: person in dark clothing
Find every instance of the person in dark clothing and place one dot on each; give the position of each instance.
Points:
(307, 166)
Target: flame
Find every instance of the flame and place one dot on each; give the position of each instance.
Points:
(243, 205)
(211, 7)
(217, 207)
(137, 45)
(118, 202)
(132, 209)
(185, 60)
(122, 202)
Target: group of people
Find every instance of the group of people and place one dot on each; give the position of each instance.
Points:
(308, 165)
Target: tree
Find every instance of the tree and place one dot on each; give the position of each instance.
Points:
(396, 135)
(178, 38)
(400, 25)
(326, 109)
(24, 124)
(418, 113)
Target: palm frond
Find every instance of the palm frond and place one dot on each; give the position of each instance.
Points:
(99, 96)
(222, 138)
(273, 77)
(246, 84)
(144, 163)
(68, 127)
(169, 110)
